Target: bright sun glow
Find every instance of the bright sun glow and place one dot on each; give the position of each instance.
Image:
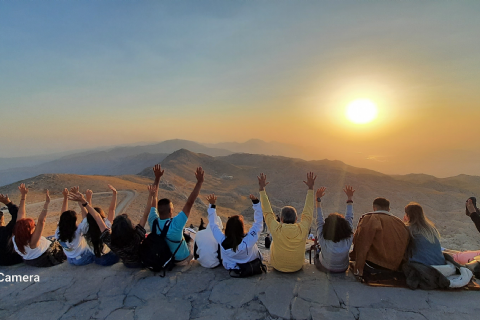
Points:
(361, 111)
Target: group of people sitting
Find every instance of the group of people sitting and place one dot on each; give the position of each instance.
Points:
(381, 241)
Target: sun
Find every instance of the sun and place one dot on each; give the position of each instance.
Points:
(361, 111)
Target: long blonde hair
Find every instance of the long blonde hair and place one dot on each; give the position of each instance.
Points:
(419, 224)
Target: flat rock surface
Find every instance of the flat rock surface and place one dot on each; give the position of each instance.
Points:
(193, 292)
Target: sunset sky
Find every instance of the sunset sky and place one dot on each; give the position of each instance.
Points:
(80, 74)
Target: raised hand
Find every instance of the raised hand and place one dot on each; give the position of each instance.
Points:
(23, 190)
(349, 191)
(253, 198)
(320, 192)
(89, 194)
(65, 193)
(75, 189)
(47, 198)
(212, 198)
(262, 181)
(4, 198)
(310, 180)
(199, 174)
(76, 196)
(470, 207)
(112, 188)
(157, 170)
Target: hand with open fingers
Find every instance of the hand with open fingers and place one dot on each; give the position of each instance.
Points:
(212, 198)
(199, 174)
(65, 192)
(76, 196)
(253, 198)
(320, 192)
(310, 180)
(4, 198)
(349, 191)
(112, 188)
(262, 181)
(47, 197)
(23, 189)
(157, 170)
(152, 189)
(75, 189)
(470, 207)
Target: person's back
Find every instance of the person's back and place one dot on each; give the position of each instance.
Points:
(235, 246)
(380, 238)
(287, 251)
(424, 246)
(8, 256)
(207, 250)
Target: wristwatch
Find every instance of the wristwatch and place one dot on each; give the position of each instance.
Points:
(85, 204)
(319, 199)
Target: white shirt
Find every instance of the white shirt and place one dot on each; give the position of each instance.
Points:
(207, 246)
(31, 254)
(78, 245)
(247, 250)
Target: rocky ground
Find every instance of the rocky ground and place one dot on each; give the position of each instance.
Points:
(193, 292)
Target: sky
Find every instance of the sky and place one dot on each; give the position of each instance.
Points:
(81, 74)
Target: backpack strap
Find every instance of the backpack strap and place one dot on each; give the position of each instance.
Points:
(219, 254)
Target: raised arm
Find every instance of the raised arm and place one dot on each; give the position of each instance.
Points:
(113, 203)
(307, 214)
(65, 200)
(21, 207)
(349, 191)
(199, 174)
(473, 213)
(37, 233)
(252, 236)
(320, 218)
(267, 210)
(152, 191)
(89, 195)
(212, 219)
(81, 199)
(83, 210)
(157, 170)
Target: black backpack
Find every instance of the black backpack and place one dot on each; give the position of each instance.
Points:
(155, 253)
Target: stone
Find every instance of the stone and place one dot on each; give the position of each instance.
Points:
(300, 309)
(234, 292)
(331, 313)
(121, 314)
(277, 298)
(388, 314)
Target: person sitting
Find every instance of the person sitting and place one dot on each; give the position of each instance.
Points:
(206, 249)
(71, 236)
(334, 235)
(163, 213)
(424, 245)
(287, 250)
(103, 255)
(36, 250)
(235, 245)
(381, 239)
(8, 256)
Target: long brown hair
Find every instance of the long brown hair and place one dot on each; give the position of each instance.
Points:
(234, 233)
(23, 233)
(419, 224)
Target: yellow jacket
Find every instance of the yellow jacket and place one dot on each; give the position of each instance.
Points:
(287, 252)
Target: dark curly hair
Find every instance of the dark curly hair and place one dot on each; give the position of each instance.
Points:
(67, 226)
(336, 228)
(122, 231)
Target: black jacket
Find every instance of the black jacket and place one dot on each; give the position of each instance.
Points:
(8, 256)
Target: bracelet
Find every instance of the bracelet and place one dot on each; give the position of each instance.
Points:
(349, 201)
(22, 199)
(319, 199)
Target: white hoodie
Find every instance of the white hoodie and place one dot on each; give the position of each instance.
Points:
(207, 246)
(247, 250)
